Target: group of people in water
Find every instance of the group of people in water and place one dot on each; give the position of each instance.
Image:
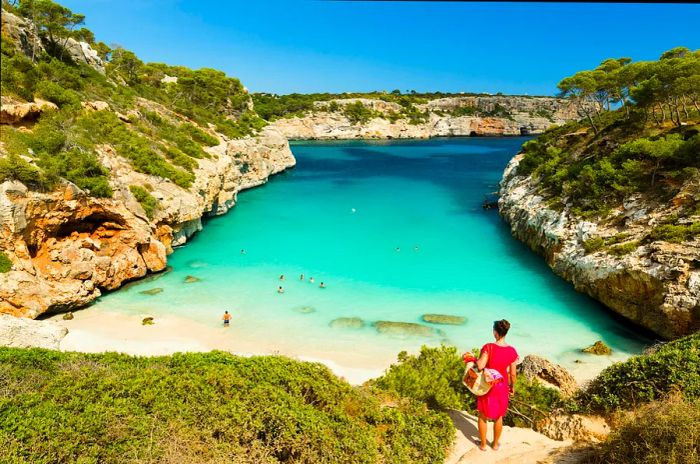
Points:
(302, 277)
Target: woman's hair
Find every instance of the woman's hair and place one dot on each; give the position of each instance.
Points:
(501, 327)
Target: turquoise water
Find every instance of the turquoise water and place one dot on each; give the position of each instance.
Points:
(395, 229)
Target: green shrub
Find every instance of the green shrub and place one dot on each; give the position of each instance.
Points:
(662, 432)
(5, 263)
(13, 167)
(199, 135)
(675, 233)
(147, 201)
(357, 113)
(593, 244)
(203, 407)
(624, 249)
(640, 379)
(57, 94)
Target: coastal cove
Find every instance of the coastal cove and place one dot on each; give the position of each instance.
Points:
(395, 229)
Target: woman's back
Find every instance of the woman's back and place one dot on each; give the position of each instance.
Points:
(500, 357)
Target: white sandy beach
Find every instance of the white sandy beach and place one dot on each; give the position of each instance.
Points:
(102, 331)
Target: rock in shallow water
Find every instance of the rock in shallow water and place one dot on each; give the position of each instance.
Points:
(191, 279)
(347, 323)
(403, 328)
(444, 319)
(598, 348)
(305, 309)
(153, 291)
(147, 321)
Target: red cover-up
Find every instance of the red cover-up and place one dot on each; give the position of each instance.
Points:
(495, 403)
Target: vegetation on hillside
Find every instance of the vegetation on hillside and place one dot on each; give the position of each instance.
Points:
(206, 407)
(63, 144)
(671, 367)
(649, 145)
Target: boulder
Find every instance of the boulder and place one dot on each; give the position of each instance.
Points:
(68, 316)
(347, 323)
(21, 112)
(147, 321)
(598, 348)
(403, 328)
(562, 426)
(547, 373)
(443, 319)
(18, 332)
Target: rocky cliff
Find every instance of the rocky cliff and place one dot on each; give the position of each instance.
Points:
(66, 247)
(655, 285)
(442, 117)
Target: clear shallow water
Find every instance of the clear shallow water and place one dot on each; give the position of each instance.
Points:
(422, 197)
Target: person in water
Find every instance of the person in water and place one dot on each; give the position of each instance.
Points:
(226, 318)
(280, 289)
(242, 252)
(322, 285)
(494, 404)
(282, 277)
(301, 277)
(311, 279)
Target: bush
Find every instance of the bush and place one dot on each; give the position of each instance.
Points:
(644, 378)
(5, 263)
(662, 432)
(203, 407)
(675, 233)
(593, 244)
(357, 113)
(147, 201)
(199, 135)
(57, 94)
(13, 167)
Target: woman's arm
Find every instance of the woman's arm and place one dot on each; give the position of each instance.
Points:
(512, 375)
(483, 359)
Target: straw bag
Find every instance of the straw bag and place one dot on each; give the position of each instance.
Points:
(478, 382)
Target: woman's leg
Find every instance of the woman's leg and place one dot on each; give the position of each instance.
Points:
(482, 430)
(497, 429)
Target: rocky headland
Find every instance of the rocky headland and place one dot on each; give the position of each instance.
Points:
(441, 117)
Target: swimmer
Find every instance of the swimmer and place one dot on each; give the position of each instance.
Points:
(353, 210)
(415, 248)
(282, 277)
(280, 289)
(311, 279)
(398, 249)
(322, 285)
(301, 277)
(242, 252)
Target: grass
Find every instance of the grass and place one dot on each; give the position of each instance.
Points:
(5, 263)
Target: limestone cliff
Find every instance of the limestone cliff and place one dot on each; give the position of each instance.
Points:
(67, 247)
(657, 285)
(443, 117)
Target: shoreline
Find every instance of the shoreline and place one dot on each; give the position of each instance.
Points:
(112, 331)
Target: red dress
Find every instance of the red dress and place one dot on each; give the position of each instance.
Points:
(495, 403)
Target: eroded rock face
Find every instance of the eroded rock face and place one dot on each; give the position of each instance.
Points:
(657, 285)
(547, 373)
(527, 117)
(574, 427)
(67, 247)
(16, 112)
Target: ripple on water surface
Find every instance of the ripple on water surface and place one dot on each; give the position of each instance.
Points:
(395, 231)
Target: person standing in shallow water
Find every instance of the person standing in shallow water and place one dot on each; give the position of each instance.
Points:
(227, 319)
(494, 404)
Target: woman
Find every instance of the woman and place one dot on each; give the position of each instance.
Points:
(493, 405)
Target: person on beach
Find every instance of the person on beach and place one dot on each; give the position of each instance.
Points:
(280, 289)
(494, 404)
(227, 319)
(322, 285)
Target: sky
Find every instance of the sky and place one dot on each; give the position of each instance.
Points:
(286, 46)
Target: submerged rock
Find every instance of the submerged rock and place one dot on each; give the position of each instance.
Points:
(147, 321)
(548, 374)
(445, 319)
(153, 291)
(599, 348)
(305, 309)
(403, 328)
(191, 279)
(347, 323)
